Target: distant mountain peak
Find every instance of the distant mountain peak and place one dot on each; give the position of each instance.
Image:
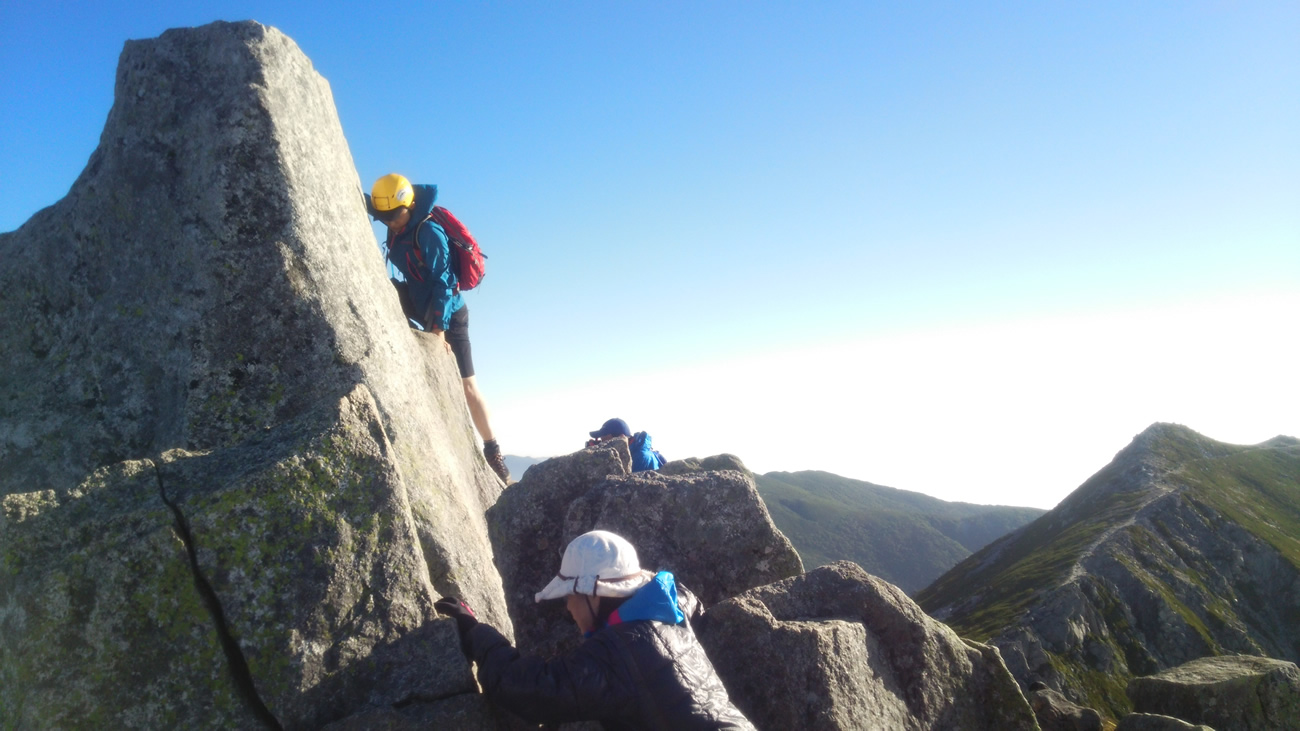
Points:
(905, 537)
(1181, 547)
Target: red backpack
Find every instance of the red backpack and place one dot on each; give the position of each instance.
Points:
(467, 259)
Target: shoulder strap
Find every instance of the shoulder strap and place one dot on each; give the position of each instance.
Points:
(415, 240)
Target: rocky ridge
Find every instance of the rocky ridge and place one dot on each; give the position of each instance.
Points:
(1181, 548)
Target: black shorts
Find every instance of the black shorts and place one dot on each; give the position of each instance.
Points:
(458, 335)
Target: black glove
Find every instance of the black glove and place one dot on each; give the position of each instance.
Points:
(458, 610)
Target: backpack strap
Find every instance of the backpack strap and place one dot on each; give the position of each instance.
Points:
(453, 243)
(415, 239)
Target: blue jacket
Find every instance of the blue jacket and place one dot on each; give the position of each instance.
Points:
(430, 280)
(644, 456)
(656, 600)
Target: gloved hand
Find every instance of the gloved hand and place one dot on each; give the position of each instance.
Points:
(458, 610)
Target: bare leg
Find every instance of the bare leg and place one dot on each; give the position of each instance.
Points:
(479, 414)
(478, 411)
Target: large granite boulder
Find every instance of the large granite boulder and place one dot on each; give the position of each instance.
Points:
(838, 648)
(281, 577)
(206, 313)
(707, 464)
(101, 624)
(1228, 693)
(710, 529)
(1055, 712)
(309, 545)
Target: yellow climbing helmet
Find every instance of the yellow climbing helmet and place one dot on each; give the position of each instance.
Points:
(391, 192)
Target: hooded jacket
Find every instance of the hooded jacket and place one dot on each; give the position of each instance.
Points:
(643, 670)
(430, 281)
(644, 456)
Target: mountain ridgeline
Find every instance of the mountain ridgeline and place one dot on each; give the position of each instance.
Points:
(1181, 548)
(906, 538)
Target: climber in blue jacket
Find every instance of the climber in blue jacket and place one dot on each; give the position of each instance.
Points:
(644, 456)
(418, 248)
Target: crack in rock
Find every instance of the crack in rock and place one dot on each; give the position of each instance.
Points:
(234, 656)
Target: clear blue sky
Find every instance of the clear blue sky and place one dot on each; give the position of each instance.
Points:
(873, 225)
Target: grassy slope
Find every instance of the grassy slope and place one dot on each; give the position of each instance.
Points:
(904, 537)
(1258, 487)
(1039, 557)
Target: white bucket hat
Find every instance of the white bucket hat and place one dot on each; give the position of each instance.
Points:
(598, 563)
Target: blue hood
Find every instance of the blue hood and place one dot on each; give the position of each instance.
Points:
(656, 600)
(422, 206)
(644, 457)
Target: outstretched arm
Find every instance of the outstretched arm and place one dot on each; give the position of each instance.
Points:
(576, 687)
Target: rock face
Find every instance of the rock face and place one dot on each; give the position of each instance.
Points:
(233, 479)
(840, 649)
(1181, 548)
(1235, 692)
(709, 528)
(89, 577)
(1055, 712)
(695, 464)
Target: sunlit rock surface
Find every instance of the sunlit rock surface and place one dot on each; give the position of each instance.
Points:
(838, 648)
(234, 480)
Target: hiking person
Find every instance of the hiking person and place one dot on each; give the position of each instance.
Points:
(644, 456)
(430, 295)
(640, 666)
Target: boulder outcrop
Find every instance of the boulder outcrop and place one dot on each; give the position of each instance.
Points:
(1055, 712)
(101, 623)
(709, 528)
(838, 648)
(234, 480)
(707, 464)
(1230, 693)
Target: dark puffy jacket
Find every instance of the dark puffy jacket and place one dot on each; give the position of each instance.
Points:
(638, 674)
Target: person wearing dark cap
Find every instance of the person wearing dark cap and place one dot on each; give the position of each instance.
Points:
(644, 456)
(640, 665)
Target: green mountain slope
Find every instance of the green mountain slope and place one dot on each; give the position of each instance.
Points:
(904, 537)
(1181, 547)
